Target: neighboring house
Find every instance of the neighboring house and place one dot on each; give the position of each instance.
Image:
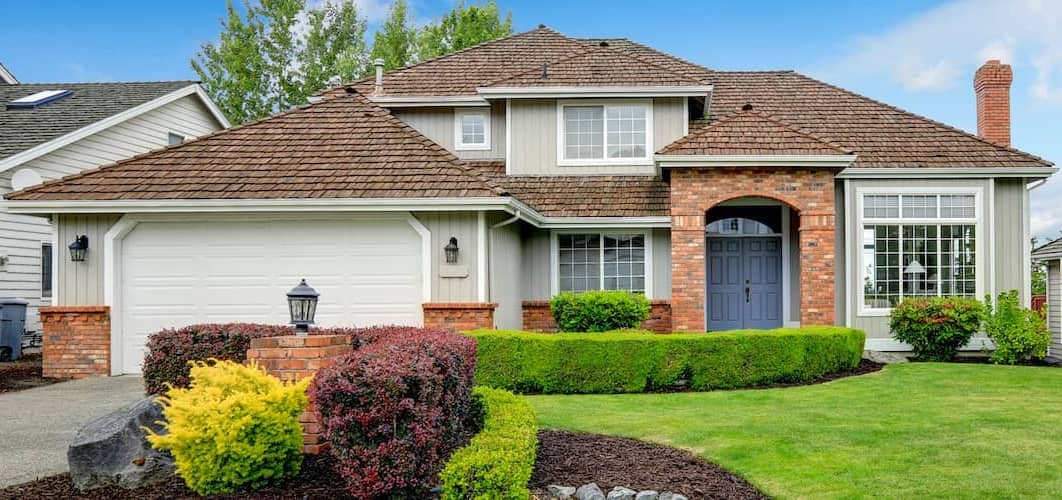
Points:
(52, 130)
(732, 199)
(1051, 256)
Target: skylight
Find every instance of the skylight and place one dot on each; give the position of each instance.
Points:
(38, 99)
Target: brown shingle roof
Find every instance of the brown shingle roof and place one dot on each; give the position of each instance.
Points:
(750, 132)
(342, 147)
(599, 66)
(584, 196)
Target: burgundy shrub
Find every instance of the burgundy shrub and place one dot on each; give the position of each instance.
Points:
(394, 410)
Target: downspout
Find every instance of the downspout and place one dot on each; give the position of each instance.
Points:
(490, 252)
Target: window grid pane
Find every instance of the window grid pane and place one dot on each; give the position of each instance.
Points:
(624, 262)
(910, 260)
(584, 128)
(626, 131)
(957, 206)
(920, 206)
(472, 130)
(579, 262)
(876, 206)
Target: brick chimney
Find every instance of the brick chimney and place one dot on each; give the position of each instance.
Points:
(992, 85)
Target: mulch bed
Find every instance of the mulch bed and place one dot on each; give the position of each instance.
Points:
(24, 373)
(574, 459)
(316, 480)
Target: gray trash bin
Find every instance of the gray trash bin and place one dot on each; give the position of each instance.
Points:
(12, 327)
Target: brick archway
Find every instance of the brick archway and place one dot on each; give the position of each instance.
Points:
(808, 191)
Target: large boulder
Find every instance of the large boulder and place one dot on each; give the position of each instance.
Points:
(113, 449)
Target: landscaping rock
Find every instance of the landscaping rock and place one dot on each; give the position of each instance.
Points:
(887, 358)
(113, 450)
(667, 495)
(560, 492)
(621, 493)
(589, 492)
(647, 495)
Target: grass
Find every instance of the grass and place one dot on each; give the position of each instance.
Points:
(910, 431)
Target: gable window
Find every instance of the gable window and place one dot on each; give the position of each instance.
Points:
(46, 270)
(619, 133)
(601, 261)
(917, 245)
(472, 129)
(174, 139)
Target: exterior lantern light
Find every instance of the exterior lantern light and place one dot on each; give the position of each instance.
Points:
(77, 248)
(451, 251)
(302, 303)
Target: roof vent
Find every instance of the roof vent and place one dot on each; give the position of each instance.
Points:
(545, 71)
(602, 43)
(38, 99)
(541, 26)
(747, 107)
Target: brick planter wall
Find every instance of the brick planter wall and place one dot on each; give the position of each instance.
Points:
(459, 316)
(76, 341)
(295, 358)
(809, 191)
(539, 318)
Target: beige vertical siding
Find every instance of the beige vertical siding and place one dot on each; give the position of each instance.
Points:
(1054, 306)
(536, 271)
(534, 138)
(445, 286)
(81, 283)
(877, 327)
(506, 263)
(21, 236)
(1009, 234)
(662, 264)
(437, 124)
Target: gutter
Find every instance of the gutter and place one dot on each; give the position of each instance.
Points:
(946, 172)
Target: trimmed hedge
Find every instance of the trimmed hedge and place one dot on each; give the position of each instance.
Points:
(497, 464)
(599, 310)
(393, 410)
(169, 353)
(615, 362)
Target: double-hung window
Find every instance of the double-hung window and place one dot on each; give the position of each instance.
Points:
(472, 129)
(617, 134)
(918, 245)
(601, 261)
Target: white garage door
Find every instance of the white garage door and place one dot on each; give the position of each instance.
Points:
(179, 273)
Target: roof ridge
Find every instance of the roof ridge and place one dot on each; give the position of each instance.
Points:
(729, 118)
(541, 27)
(186, 82)
(923, 118)
(666, 54)
(589, 51)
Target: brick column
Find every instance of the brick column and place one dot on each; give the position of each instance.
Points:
(295, 358)
(687, 272)
(816, 268)
(76, 341)
(459, 316)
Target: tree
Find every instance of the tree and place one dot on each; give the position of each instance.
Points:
(1039, 273)
(278, 53)
(395, 42)
(463, 27)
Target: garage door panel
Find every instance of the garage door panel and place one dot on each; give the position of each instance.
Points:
(175, 274)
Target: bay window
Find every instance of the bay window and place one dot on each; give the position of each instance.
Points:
(619, 133)
(601, 261)
(918, 245)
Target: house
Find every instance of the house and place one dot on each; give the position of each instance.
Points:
(48, 131)
(546, 163)
(1050, 255)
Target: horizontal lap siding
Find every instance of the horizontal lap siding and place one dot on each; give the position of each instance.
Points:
(21, 237)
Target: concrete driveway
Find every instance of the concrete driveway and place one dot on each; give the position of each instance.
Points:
(37, 425)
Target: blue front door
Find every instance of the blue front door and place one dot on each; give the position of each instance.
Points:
(744, 283)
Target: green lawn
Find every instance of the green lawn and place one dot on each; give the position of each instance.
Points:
(909, 431)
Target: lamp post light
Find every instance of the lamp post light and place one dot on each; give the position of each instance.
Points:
(77, 248)
(302, 303)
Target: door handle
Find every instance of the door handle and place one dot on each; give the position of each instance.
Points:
(748, 292)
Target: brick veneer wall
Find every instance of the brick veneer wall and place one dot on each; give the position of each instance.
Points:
(694, 191)
(459, 316)
(76, 341)
(539, 318)
(295, 358)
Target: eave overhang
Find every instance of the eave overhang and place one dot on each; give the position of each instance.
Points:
(580, 92)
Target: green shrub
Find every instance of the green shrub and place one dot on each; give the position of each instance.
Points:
(497, 464)
(234, 427)
(572, 363)
(1019, 334)
(936, 327)
(599, 310)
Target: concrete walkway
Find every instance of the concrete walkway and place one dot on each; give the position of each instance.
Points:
(37, 425)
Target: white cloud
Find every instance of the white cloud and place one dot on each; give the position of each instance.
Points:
(941, 47)
(1046, 215)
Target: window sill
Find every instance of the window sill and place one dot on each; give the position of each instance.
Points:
(472, 147)
(636, 162)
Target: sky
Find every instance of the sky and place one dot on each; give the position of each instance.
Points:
(918, 55)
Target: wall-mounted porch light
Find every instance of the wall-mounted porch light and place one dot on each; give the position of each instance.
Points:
(451, 251)
(78, 248)
(302, 303)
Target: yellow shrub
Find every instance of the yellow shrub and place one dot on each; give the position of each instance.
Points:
(235, 426)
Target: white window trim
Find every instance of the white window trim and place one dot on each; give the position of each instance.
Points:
(584, 162)
(554, 256)
(459, 145)
(977, 220)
